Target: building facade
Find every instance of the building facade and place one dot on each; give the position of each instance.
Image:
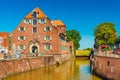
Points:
(36, 33)
(4, 38)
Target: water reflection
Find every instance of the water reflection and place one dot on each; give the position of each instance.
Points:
(71, 70)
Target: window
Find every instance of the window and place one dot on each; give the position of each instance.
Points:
(34, 21)
(47, 37)
(34, 29)
(27, 21)
(47, 47)
(47, 29)
(21, 28)
(35, 14)
(60, 27)
(21, 47)
(21, 37)
(42, 21)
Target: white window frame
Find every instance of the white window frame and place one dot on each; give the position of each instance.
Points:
(47, 47)
(21, 47)
(21, 27)
(19, 38)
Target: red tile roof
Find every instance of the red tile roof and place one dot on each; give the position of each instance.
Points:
(40, 13)
(58, 23)
(4, 36)
(71, 43)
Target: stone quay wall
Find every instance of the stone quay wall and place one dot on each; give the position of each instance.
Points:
(106, 67)
(14, 66)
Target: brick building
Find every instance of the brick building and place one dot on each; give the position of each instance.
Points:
(36, 33)
(4, 38)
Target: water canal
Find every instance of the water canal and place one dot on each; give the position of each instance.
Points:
(77, 69)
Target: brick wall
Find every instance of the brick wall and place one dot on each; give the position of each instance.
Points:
(107, 67)
(10, 67)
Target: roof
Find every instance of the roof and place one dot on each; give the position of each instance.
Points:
(39, 11)
(4, 38)
(57, 23)
(71, 43)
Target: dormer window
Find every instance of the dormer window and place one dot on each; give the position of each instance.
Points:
(35, 14)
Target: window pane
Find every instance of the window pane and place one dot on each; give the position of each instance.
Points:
(21, 29)
(34, 14)
(34, 21)
(43, 21)
(34, 29)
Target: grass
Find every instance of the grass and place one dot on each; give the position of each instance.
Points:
(82, 52)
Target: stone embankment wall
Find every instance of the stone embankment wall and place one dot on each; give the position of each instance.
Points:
(10, 67)
(106, 67)
(13, 66)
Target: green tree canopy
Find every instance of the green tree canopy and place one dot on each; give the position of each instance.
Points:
(105, 33)
(117, 40)
(74, 36)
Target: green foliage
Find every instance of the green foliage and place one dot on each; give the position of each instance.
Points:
(105, 33)
(117, 40)
(83, 52)
(74, 36)
(88, 49)
(9, 42)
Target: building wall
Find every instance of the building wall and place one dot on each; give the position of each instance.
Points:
(107, 67)
(38, 39)
(10, 67)
(39, 36)
(4, 40)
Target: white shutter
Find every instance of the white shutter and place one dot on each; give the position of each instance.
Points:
(39, 20)
(24, 47)
(19, 29)
(19, 47)
(24, 29)
(50, 47)
(50, 29)
(18, 37)
(45, 47)
(50, 37)
(44, 37)
(14, 46)
(24, 38)
(45, 29)
(44, 20)
(30, 21)
(25, 21)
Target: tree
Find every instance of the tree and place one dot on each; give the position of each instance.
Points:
(117, 40)
(9, 42)
(74, 36)
(105, 33)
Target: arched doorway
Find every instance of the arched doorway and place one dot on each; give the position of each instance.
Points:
(34, 49)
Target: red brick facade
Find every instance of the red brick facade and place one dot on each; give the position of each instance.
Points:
(4, 42)
(36, 33)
